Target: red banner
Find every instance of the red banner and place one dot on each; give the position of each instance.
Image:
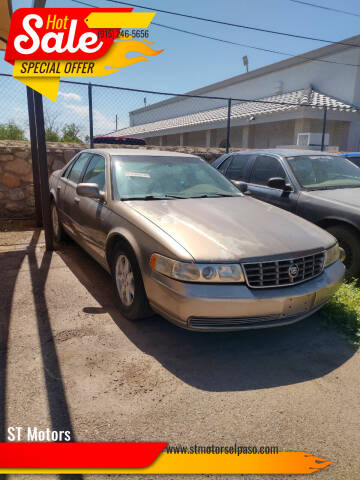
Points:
(78, 455)
(57, 34)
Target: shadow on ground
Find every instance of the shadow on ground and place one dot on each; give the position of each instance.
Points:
(219, 361)
(10, 264)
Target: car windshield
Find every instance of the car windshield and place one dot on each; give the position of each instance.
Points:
(323, 172)
(152, 178)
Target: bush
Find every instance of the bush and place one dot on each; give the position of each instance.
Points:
(10, 131)
(343, 311)
(52, 135)
(70, 133)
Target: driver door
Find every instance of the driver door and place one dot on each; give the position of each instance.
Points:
(91, 213)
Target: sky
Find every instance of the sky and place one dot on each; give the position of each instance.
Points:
(189, 62)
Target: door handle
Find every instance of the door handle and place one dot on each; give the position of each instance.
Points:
(77, 199)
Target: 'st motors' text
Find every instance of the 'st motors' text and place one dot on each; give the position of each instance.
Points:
(33, 434)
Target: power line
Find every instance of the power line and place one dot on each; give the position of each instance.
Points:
(274, 32)
(309, 4)
(236, 43)
(250, 46)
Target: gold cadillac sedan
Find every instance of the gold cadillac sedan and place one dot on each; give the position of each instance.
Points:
(180, 240)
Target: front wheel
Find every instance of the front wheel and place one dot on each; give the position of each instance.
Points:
(350, 242)
(129, 286)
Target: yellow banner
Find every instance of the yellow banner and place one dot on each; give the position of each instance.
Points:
(119, 19)
(44, 76)
(290, 463)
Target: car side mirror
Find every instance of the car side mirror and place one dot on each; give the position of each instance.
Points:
(90, 190)
(279, 183)
(242, 186)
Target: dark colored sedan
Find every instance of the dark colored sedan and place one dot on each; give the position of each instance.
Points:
(318, 186)
(119, 140)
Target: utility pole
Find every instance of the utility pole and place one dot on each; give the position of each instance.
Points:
(39, 156)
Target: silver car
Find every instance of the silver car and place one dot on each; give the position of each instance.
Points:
(180, 239)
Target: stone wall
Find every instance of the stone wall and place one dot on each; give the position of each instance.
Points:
(16, 179)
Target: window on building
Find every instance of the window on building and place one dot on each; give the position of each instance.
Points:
(95, 172)
(78, 167)
(236, 170)
(265, 168)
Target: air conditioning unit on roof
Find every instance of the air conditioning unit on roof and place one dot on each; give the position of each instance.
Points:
(312, 140)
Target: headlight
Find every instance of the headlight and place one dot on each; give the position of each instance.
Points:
(197, 272)
(332, 254)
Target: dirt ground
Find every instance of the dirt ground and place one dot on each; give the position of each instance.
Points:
(70, 361)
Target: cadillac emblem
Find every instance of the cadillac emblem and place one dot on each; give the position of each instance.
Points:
(293, 271)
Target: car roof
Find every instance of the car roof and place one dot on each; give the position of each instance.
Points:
(143, 152)
(284, 152)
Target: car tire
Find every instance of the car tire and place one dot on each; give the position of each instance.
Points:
(58, 231)
(128, 282)
(349, 240)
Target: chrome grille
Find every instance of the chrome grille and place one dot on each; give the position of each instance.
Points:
(283, 272)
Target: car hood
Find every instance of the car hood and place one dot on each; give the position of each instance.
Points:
(349, 197)
(230, 229)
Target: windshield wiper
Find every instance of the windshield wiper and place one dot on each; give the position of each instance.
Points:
(214, 195)
(152, 197)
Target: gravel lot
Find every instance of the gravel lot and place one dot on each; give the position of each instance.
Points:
(70, 361)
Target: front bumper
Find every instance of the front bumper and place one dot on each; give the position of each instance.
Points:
(228, 307)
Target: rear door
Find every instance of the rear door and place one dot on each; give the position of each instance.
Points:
(71, 199)
(237, 168)
(61, 188)
(264, 168)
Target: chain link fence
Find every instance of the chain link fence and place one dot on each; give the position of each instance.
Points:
(14, 119)
(85, 113)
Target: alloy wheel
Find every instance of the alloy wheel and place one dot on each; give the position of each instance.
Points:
(125, 280)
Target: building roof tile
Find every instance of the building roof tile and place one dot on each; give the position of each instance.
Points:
(282, 102)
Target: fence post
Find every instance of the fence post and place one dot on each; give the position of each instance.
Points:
(323, 129)
(34, 154)
(228, 126)
(91, 125)
(40, 158)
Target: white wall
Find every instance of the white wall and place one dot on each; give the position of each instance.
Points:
(342, 82)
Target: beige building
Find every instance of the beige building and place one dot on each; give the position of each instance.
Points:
(289, 98)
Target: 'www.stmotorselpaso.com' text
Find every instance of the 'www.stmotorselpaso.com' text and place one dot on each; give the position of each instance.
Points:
(228, 449)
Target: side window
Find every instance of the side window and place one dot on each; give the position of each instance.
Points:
(236, 170)
(265, 168)
(95, 172)
(78, 167)
(355, 160)
(224, 165)
(220, 161)
(69, 167)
